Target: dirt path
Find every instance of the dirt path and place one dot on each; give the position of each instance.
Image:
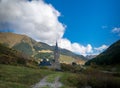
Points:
(44, 84)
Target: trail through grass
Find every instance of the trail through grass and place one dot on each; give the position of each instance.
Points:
(50, 81)
(51, 78)
(24, 77)
(20, 77)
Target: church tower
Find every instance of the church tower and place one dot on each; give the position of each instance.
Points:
(56, 57)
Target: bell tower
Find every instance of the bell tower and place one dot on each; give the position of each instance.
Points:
(56, 57)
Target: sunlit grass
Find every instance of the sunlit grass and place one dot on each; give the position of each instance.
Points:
(20, 77)
(51, 78)
(24, 77)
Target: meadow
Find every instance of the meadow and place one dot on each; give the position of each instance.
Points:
(25, 77)
(20, 76)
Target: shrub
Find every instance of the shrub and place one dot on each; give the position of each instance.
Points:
(70, 68)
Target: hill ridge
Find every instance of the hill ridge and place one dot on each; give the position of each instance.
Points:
(111, 56)
(31, 47)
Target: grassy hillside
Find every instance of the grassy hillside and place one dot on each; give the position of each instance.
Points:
(24, 47)
(33, 48)
(12, 39)
(66, 59)
(69, 60)
(13, 57)
(111, 56)
(69, 53)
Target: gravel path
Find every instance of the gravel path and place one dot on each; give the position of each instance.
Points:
(43, 83)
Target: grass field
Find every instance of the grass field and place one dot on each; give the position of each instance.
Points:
(20, 77)
(51, 78)
(25, 77)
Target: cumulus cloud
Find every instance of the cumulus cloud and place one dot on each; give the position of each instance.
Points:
(101, 48)
(116, 30)
(35, 18)
(81, 49)
(38, 20)
(75, 47)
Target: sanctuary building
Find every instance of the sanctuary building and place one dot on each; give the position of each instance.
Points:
(55, 63)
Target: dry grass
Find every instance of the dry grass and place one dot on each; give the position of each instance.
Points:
(66, 59)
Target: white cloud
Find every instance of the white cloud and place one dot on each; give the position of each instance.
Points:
(75, 47)
(81, 49)
(35, 19)
(38, 20)
(116, 30)
(101, 48)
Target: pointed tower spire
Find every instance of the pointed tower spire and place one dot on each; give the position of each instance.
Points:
(56, 57)
(56, 46)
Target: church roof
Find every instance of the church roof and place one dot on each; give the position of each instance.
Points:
(56, 47)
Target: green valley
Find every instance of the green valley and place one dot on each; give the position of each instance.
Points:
(19, 70)
(38, 50)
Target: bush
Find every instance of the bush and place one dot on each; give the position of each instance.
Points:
(70, 68)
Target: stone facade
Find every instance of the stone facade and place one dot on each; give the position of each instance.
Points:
(56, 58)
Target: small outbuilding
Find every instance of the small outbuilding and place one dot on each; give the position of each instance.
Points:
(45, 62)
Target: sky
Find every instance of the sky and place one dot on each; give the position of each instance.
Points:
(82, 26)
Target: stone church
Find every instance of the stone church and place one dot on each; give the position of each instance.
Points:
(56, 63)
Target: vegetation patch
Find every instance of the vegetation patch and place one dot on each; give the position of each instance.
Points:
(24, 48)
(19, 76)
(51, 78)
(111, 56)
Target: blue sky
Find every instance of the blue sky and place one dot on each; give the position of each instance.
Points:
(89, 21)
(81, 26)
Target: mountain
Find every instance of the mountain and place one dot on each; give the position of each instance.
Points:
(90, 56)
(38, 50)
(111, 56)
(11, 56)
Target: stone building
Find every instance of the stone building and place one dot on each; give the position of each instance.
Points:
(56, 63)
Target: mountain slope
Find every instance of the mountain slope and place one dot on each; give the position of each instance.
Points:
(111, 56)
(38, 50)
(11, 39)
(90, 56)
(11, 56)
